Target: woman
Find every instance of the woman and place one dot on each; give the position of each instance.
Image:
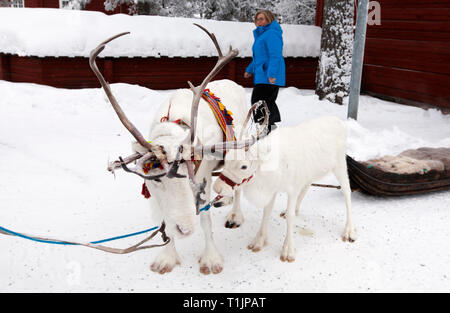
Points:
(267, 66)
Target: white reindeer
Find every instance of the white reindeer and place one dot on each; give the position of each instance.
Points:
(183, 128)
(173, 197)
(288, 160)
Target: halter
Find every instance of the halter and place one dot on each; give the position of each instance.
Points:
(231, 183)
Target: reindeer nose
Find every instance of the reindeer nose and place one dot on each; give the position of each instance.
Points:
(183, 231)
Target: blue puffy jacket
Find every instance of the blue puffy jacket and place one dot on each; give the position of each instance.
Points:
(268, 58)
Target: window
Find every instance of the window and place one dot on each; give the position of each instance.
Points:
(17, 3)
(73, 4)
(64, 3)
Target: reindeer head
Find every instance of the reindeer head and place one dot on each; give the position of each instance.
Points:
(241, 165)
(235, 173)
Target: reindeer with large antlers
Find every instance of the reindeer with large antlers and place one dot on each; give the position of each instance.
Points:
(185, 129)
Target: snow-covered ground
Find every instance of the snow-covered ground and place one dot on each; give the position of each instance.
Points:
(72, 33)
(54, 147)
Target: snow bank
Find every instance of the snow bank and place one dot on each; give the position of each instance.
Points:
(54, 146)
(56, 32)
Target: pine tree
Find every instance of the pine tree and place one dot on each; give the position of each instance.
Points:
(211, 9)
(334, 71)
(286, 11)
(295, 11)
(245, 11)
(147, 7)
(228, 10)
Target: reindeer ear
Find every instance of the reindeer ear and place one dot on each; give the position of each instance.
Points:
(252, 153)
(137, 147)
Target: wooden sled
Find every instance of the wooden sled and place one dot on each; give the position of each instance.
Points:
(380, 181)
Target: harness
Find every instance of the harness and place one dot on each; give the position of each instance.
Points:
(231, 183)
(223, 116)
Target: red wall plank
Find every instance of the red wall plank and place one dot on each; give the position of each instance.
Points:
(98, 5)
(155, 73)
(412, 55)
(412, 25)
(414, 3)
(416, 14)
(407, 56)
(25, 70)
(385, 33)
(425, 87)
(42, 3)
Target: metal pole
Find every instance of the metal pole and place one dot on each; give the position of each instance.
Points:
(358, 58)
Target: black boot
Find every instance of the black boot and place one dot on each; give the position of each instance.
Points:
(271, 127)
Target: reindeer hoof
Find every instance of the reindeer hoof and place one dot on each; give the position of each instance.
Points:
(165, 269)
(258, 243)
(349, 235)
(165, 262)
(205, 270)
(234, 220)
(229, 224)
(254, 249)
(287, 259)
(211, 262)
(351, 240)
(162, 269)
(215, 269)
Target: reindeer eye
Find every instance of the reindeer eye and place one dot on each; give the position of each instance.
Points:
(244, 167)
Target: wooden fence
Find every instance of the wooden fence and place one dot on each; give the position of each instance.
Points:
(155, 73)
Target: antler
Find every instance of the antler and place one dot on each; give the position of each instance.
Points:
(123, 118)
(265, 123)
(228, 145)
(112, 166)
(155, 150)
(223, 60)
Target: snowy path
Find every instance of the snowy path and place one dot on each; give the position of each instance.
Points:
(54, 145)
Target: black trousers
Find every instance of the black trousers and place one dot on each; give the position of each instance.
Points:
(269, 94)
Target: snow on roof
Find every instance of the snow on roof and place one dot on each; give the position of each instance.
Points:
(72, 33)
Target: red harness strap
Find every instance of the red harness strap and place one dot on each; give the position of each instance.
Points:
(231, 183)
(145, 191)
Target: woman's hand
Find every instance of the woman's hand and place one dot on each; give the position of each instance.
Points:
(272, 80)
(247, 75)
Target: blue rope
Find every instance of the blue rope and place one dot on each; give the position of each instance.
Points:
(205, 208)
(75, 244)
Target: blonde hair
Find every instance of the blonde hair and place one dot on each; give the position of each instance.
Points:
(267, 14)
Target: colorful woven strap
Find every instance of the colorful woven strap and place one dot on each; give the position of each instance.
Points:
(223, 116)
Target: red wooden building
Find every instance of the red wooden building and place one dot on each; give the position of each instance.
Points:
(93, 5)
(156, 73)
(407, 59)
(407, 56)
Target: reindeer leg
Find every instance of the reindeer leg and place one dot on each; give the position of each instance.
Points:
(288, 251)
(261, 237)
(167, 259)
(299, 201)
(341, 174)
(211, 260)
(235, 217)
